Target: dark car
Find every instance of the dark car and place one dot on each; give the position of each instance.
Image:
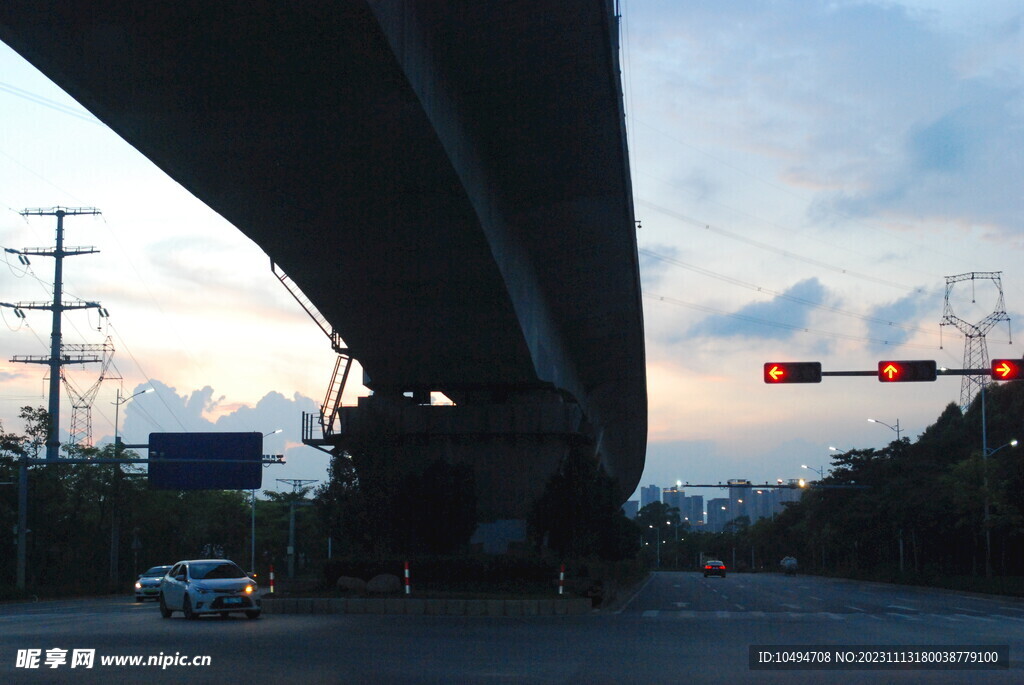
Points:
(714, 568)
(148, 584)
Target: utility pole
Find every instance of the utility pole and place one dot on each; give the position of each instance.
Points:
(57, 357)
(296, 483)
(55, 360)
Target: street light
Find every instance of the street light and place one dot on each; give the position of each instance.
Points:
(987, 452)
(819, 471)
(252, 542)
(894, 428)
(117, 406)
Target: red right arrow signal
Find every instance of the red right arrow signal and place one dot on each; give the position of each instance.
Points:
(1007, 369)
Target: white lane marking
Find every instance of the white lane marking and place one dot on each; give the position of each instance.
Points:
(816, 599)
(948, 618)
(977, 618)
(789, 606)
(904, 616)
(877, 618)
(739, 606)
(834, 617)
(682, 605)
(898, 606)
(848, 606)
(40, 615)
(687, 614)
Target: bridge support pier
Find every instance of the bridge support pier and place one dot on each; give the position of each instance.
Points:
(513, 448)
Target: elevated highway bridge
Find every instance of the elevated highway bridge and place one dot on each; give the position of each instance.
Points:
(447, 182)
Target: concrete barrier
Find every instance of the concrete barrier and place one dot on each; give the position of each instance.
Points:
(434, 607)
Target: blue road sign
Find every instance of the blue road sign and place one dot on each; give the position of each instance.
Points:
(205, 461)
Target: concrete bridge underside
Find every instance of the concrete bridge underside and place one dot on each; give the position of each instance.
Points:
(446, 181)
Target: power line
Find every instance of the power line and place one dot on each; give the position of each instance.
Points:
(778, 324)
(781, 295)
(778, 250)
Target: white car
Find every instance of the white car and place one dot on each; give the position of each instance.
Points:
(208, 586)
(148, 584)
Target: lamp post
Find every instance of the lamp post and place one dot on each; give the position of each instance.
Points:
(819, 471)
(252, 541)
(985, 454)
(115, 532)
(117, 406)
(894, 428)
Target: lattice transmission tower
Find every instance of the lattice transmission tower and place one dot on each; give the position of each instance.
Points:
(975, 347)
(80, 432)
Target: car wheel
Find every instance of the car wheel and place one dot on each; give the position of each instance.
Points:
(139, 599)
(164, 611)
(186, 608)
(705, 575)
(253, 614)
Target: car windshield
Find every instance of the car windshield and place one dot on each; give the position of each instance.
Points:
(157, 571)
(215, 570)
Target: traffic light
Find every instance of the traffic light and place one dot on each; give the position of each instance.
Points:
(792, 372)
(906, 372)
(1008, 369)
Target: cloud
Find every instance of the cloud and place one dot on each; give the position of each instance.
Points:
(653, 269)
(873, 108)
(777, 319)
(201, 411)
(888, 318)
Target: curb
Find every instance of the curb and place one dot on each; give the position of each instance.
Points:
(391, 606)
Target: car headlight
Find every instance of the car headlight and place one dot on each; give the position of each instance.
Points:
(138, 585)
(249, 589)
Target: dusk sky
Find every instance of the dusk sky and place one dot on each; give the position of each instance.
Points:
(806, 175)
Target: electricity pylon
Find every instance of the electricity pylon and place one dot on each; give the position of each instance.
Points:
(59, 355)
(975, 347)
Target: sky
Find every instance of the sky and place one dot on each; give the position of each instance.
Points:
(805, 174)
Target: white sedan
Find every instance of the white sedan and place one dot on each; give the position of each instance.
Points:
(208, 586)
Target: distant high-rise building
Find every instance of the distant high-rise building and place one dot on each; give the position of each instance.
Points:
(631, 508)
(739, 498)
(672, 496)
(719, 514)
(693, 510)
(650, 494)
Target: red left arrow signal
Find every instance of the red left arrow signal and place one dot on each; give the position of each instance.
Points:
(792, 372)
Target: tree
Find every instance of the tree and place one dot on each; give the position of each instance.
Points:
(579, 514)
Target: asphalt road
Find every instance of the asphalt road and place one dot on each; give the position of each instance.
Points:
(679, 627)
